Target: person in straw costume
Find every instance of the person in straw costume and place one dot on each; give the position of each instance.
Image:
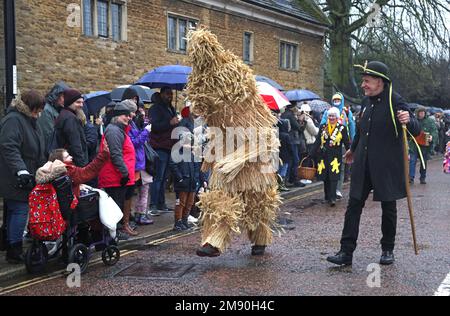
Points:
(243, 192)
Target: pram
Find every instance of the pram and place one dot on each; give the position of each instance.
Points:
(83, 235)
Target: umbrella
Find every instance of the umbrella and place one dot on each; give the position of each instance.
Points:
(172, 76)
(301, 95)
(274, 99)
(319, 105)
(273, 83)
(144, 93)
(95, 101)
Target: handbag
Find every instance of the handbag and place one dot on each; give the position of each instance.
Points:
(150, 158)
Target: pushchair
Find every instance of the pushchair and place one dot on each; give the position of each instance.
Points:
(83, 235)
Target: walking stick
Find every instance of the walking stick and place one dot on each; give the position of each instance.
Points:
(408, 191)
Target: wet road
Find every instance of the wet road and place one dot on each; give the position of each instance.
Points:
(295, 264)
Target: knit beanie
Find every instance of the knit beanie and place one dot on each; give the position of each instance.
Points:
(70, 96)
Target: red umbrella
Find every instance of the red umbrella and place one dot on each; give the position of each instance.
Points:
(274, 99)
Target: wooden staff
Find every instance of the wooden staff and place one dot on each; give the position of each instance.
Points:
(408, 191)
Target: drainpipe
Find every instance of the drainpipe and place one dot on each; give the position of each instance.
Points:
(10, 51)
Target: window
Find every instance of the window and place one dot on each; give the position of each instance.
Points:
(116, 17)
(177, 29)
(87, 18)
(248, 48)
(104, 18)
(288, 56)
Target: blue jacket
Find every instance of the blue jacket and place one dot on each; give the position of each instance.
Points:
(351, 120)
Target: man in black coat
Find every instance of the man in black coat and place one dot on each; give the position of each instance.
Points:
(69, 127)
(377, 151)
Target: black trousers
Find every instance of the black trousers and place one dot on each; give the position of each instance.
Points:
(353, 217)
(329, 187)
(118, 195)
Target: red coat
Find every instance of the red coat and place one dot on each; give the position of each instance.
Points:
(110, 175)
(85, 174)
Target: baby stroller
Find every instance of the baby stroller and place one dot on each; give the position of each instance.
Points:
(83, 233)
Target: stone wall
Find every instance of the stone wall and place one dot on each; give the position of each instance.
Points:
(48, 50)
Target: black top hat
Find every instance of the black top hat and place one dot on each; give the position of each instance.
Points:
(375, 69)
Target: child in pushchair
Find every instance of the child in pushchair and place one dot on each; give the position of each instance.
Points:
(69, 217)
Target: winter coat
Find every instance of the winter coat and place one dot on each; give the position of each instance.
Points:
(328, 151)
(46, 121)
(161, 133)
(53, 170)
(427, 125)
(378, 150)
(70, 135)
(138, 138)
(122, 157)
(285, 148)
(21, 148)
(186, 175)
(346, 118)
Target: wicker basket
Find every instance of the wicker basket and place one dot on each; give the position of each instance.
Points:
(307, 173)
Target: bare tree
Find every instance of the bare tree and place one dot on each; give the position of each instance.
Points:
(383, 26)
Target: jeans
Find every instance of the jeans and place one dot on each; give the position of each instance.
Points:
(283, 170)
(413, 157)
(158, 186)
(17, 216)
(293, 169)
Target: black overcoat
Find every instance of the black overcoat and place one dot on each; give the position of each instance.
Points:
(378, 149)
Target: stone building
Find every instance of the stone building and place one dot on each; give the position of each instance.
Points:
(99, 44)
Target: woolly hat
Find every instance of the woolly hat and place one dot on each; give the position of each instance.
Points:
(337, 96)
(130, 105)
(70, 96)
(121, 109)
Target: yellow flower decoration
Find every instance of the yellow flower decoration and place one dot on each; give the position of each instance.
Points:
(320, 167)
(335, 164)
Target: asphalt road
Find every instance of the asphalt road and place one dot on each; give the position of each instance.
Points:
(295, 264)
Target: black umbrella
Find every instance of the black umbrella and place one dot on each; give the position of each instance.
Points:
(144, 93)
(95, 101)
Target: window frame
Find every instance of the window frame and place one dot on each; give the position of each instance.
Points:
(251, 47)
(289, 56)
(110, 24)
(178, 39)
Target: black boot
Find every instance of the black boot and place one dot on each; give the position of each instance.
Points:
(208, 251)
(341, 258)
(14, 254)
(387, 257)
(258, 250)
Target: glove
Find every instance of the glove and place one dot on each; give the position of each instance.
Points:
(149, 128)
(26, 181)
(124, 180)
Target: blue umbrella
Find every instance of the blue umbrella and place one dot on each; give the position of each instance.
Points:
(273, 83)
(172, 76)
(144, 93)
(95, 101)
(301, 95)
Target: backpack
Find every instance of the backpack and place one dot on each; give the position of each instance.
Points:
(45, 220)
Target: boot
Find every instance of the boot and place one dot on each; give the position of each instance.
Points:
(208, 251)
(258, 250)
(185, 222)
(341, 258)
(14, 254)
(126, 219)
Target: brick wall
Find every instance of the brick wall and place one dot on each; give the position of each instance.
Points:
(48, 50)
